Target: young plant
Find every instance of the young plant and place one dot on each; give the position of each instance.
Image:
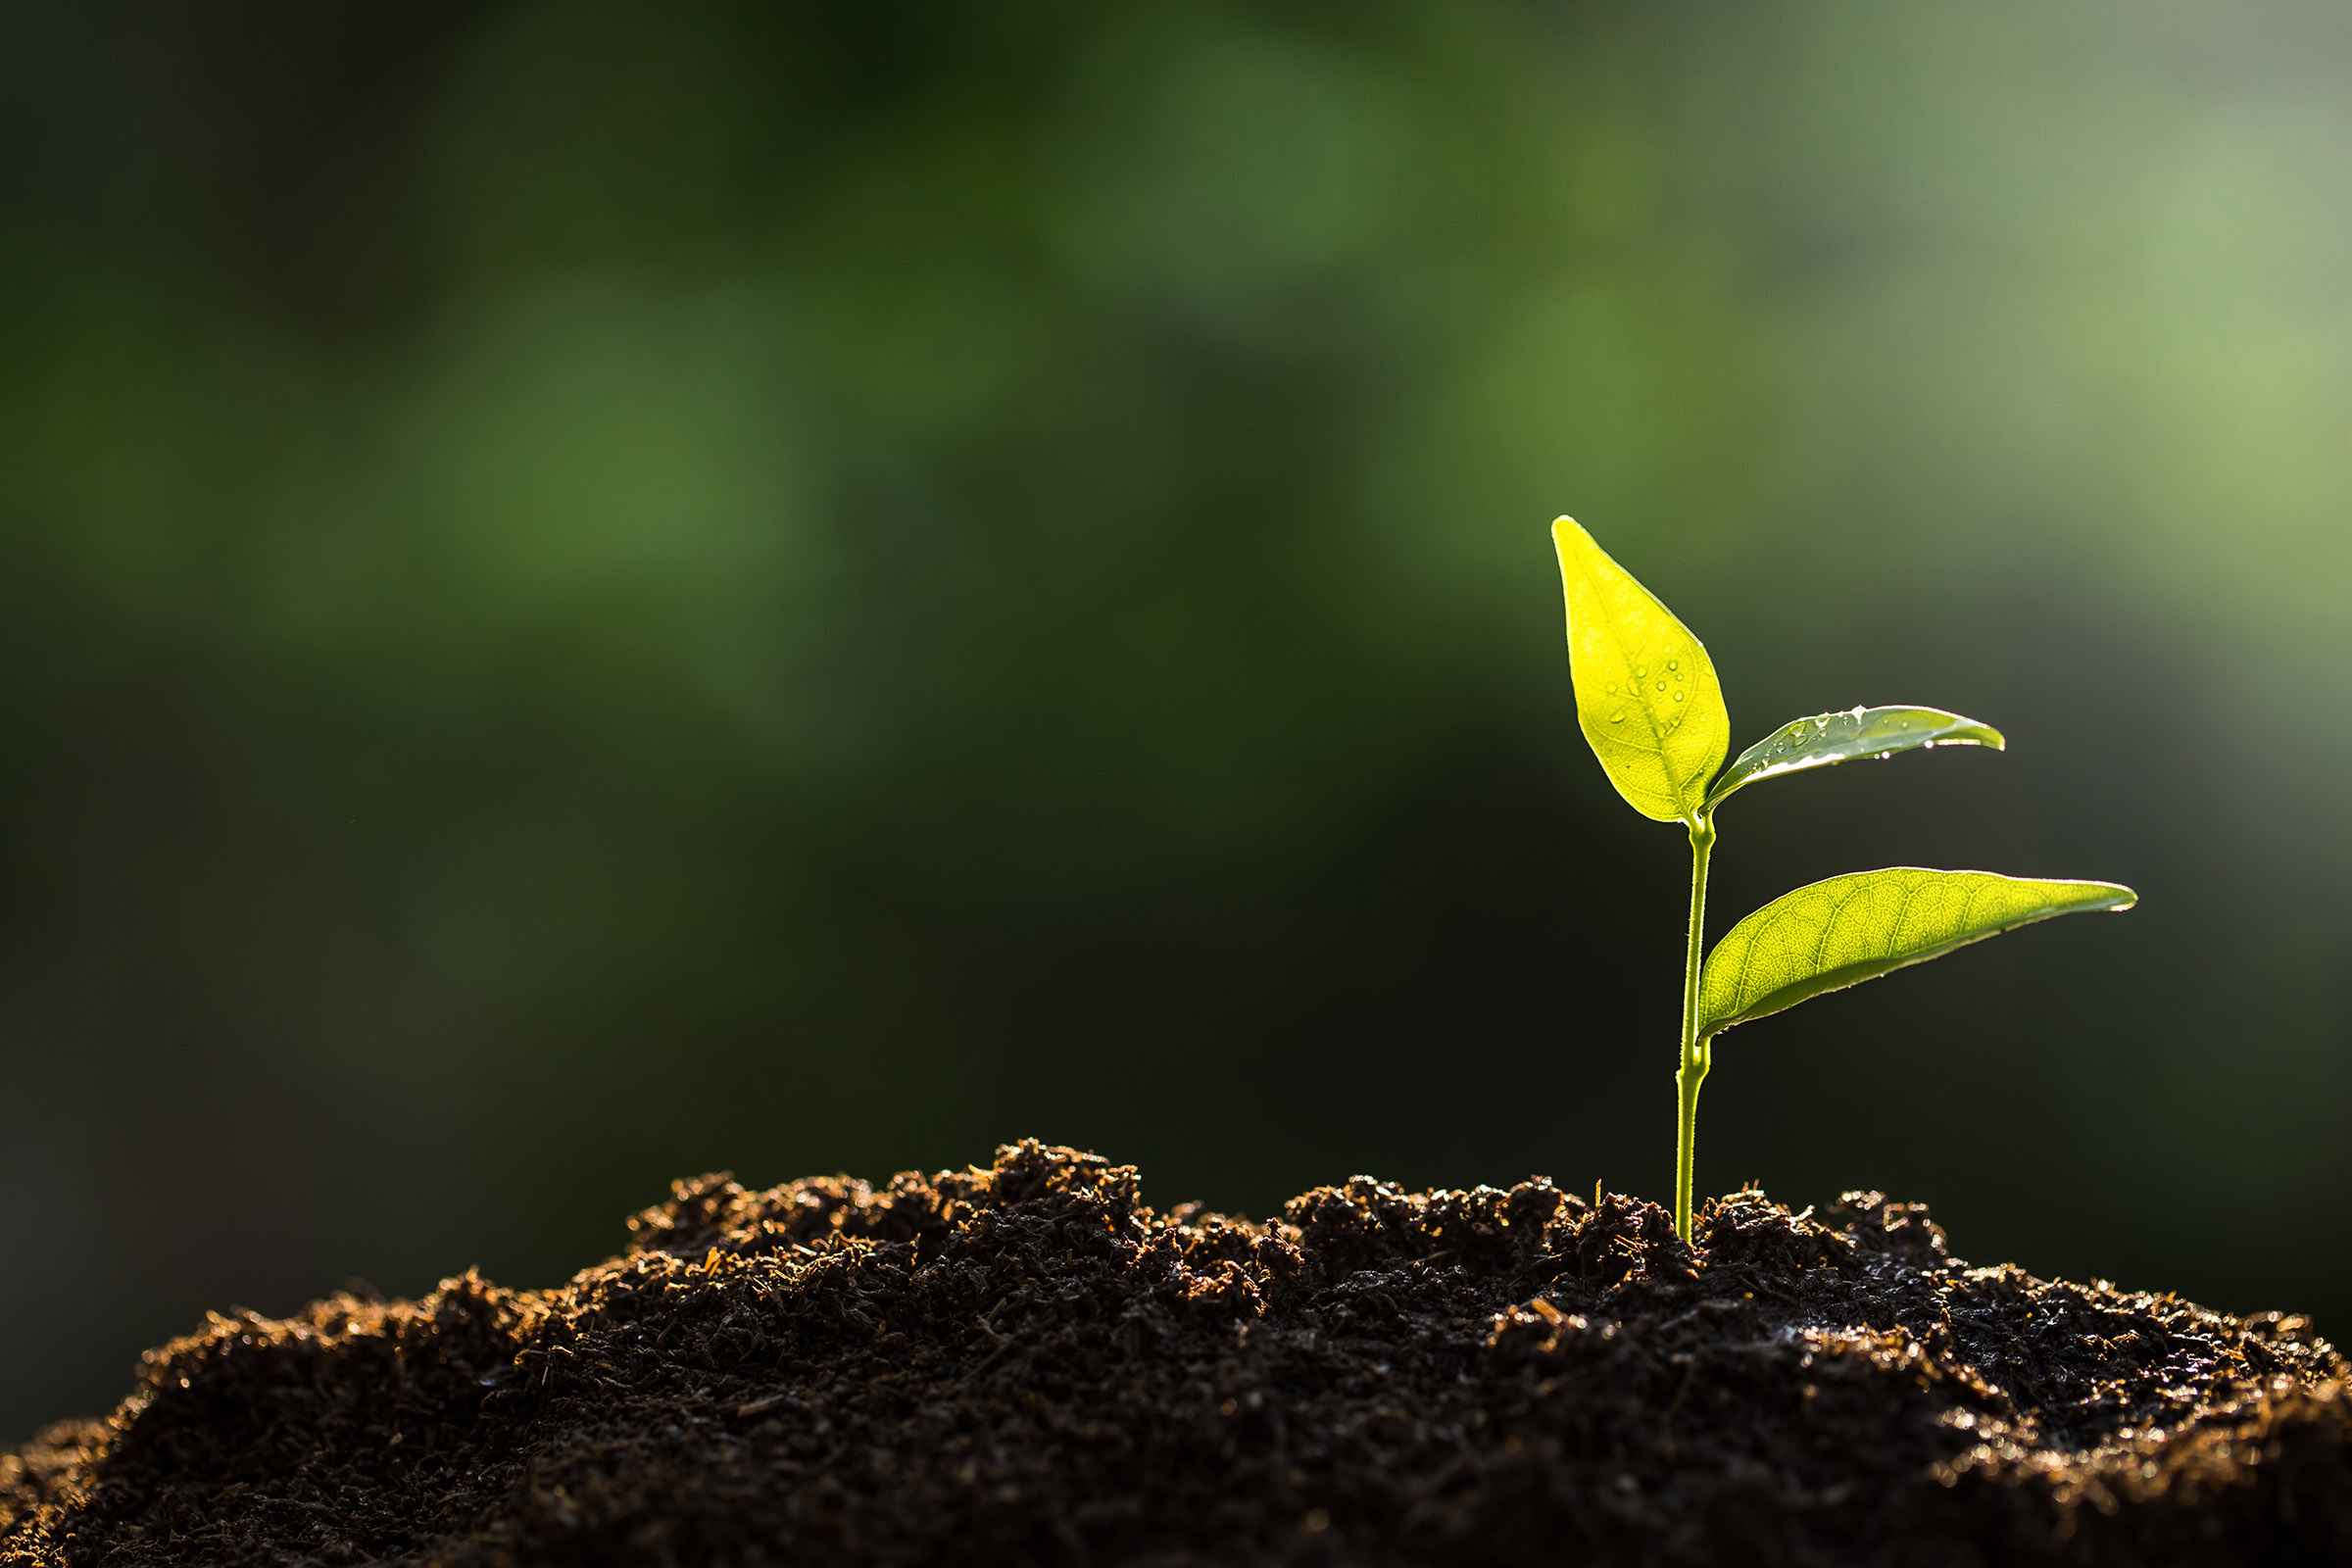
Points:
(1648, 700)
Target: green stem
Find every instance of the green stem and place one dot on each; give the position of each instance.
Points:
(1695, 1054)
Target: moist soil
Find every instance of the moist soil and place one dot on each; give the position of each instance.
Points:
(1024, 1364)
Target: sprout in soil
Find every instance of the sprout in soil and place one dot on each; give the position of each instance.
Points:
(1646, 699)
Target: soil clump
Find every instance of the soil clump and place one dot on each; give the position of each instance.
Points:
(1024, 1364)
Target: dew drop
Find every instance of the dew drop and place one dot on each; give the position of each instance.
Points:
(1678, 674)
(1661, 685)
(1617, 717)
(1613, 687)
(1673, 664)
(1677, 696)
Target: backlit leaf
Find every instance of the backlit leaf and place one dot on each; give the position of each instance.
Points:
(1646, 692)
(1853, 928)
(1827, 737)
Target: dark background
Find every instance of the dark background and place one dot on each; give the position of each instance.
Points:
(595, 592)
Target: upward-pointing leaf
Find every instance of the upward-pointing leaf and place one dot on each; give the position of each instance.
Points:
(1853, 928)
(1827, 737)
(1646, 692)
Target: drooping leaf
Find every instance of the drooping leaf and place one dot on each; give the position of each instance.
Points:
(1646, 692)
(1827, 737)
(1853, 928)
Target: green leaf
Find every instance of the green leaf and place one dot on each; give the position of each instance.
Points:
(1853, 928)
(1646, 693)
(1827, 737)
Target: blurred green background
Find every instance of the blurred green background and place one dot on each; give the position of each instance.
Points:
(595, 592)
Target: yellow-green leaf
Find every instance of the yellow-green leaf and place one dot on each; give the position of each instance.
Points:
(1827, 737)
(1646, 692)
(1853, 928)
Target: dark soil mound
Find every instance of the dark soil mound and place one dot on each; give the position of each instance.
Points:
(1024, 1364)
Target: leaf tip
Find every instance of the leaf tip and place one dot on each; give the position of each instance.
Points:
(1985, 735)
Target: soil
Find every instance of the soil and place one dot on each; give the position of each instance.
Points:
(1024, 1364)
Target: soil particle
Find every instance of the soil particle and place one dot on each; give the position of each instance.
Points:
(1023, 1364)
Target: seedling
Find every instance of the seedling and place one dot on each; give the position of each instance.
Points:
(1648, 700)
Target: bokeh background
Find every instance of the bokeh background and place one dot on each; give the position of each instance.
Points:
(595, 592)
